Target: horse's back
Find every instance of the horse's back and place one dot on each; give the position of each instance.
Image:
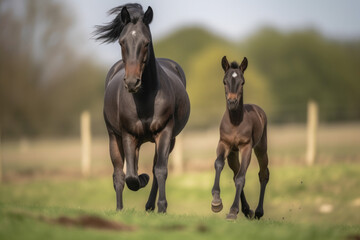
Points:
(170, 66)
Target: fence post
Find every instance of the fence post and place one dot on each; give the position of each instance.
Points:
(1, 175)
(85, 143)
(178, 165)
(312, 124)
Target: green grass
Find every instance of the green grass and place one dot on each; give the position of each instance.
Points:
(293, 202)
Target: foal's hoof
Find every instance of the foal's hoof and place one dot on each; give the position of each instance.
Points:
(216, 206)
(231, 216)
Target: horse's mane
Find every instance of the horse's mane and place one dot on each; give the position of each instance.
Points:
(234, 65)
(111, 31)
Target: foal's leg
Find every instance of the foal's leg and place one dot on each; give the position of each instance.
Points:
(240, 180)
(216, 204)
(150, 205)
(234, 164)
(117, 159)
(264, 174)
(163, 146)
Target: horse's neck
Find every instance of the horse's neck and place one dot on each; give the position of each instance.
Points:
(236, 116)
(150, 78)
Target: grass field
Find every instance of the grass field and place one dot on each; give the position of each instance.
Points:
(43, 196)
(322, 202)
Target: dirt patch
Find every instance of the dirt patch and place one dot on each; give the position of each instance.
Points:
(84, 221)
(353, 237)
(88, 221)
(175, 227)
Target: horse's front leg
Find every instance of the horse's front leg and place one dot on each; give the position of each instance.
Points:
(163, 146)
(240, 179)
(216, 204)
(131, 150)
(117, 159)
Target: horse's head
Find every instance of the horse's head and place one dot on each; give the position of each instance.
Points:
(233, 81)
(131, 29)
(135, 42)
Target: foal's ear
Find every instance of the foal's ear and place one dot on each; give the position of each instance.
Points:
(125, 15)
(243, 65)
(225, 63)
(148, 16)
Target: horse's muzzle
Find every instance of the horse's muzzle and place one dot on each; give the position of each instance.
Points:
(132, 85)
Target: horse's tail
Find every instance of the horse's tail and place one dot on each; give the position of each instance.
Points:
(133, 181)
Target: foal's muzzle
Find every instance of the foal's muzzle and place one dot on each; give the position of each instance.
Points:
(232, 103)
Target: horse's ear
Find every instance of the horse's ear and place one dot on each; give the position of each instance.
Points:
(243, 65)
(125, 15)
(225, 63)
(148, 16)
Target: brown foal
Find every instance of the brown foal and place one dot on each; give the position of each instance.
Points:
(243, 128)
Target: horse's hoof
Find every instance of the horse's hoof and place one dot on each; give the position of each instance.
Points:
(149, 208)
(216, 206)
(250, 214)
(258, 215)
(231, 217)
(143, 179)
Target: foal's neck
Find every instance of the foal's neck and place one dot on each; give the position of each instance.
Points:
(236, 116)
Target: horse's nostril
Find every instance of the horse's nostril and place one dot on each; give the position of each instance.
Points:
(137, 82)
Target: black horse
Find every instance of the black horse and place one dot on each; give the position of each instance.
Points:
(242, 128)
(145, 100)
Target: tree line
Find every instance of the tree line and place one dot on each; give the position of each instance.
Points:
(44, 84)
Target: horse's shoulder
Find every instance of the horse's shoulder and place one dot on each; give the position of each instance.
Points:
(113, 71)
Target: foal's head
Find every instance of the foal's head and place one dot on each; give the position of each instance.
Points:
(131, 29)
(233, 81)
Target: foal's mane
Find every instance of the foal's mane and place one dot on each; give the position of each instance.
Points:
(111, 31)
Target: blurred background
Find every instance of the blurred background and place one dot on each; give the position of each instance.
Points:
(52, 70)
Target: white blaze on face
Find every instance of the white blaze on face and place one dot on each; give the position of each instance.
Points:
(234, 75)
(133, 33)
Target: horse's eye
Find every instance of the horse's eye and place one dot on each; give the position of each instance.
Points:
(146, 44)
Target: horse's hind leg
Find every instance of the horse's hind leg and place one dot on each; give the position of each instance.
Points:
(150, 205)
(117, 159)
(261, 154)
(234, 164)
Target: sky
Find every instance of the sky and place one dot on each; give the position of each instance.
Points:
(232, 19)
